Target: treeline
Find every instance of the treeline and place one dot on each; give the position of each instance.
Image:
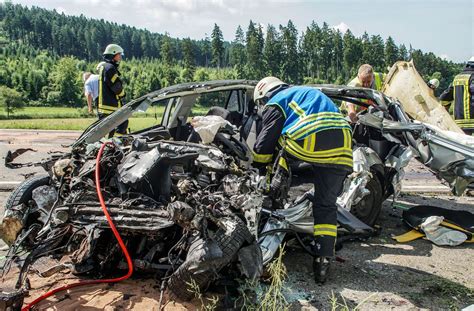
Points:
(44, 53)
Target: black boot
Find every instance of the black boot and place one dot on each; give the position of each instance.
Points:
(321, 269)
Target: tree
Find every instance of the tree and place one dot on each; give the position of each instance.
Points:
(217, 46)
(272, 52)
(188, 60)
(65, 82)
(310, 50)
(166, 50)
(391, 52)
(237, 54)
(378, 53)
(290, 71)
(352, 53)
(10, 100)
(402, 51)
(255, 68)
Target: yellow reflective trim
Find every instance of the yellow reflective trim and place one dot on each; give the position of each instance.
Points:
(320, 153)
(307, 143)
(338, 160)
(311, 117)
(282, 163)
(313, 142)
(262, 158)
(328, 226)
(347, 138)
(114, 77)
(308, 127)
(463, 80)
(100, 86)
(445, 102)
(323, 232)
(297, 109)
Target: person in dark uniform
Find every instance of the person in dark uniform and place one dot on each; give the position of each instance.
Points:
(461, 92)
(309, 127)
(111, 89)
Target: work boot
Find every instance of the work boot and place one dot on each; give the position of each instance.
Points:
(321, 269)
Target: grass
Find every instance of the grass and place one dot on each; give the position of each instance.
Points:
(66, 112)
(338, 306)
(207, 304)
(62, 118)
(273, 299)
(135, 123)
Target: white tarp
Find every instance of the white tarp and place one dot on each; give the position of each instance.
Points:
(404, 83)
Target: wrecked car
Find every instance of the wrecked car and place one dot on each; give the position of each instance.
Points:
(187, 202)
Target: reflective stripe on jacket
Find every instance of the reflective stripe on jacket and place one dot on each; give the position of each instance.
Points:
(307, 111)
(110, 89)
(308, 125)
(463, 112)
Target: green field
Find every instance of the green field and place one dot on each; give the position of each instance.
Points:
(65, 112)
(135, 124)
(61, 118)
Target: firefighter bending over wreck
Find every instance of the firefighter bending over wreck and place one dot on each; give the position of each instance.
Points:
(308, 126)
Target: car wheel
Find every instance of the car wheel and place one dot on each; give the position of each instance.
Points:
(13, 223)
(368, 209)
(23, 193)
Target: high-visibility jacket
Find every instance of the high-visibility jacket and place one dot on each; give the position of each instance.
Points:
(110, 88)
(308, 125)
(461, 91)
(377, 85)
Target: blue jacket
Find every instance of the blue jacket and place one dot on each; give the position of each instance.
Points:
(307, 111)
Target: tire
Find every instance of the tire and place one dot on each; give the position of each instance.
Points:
(23, 193)
(368, 209)
(178, 284)
(12, 223)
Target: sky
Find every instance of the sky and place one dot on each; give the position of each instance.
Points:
(445, 28)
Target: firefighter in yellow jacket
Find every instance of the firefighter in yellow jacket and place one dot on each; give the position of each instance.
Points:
(366, 77)
(111, 89)
(310, 128)
(461, 92)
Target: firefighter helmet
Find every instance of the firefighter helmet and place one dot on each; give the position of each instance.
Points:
(264, 86)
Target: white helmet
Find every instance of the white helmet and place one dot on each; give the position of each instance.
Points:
(471, 60)
(433, 83)
(264, 86)
(113, 49)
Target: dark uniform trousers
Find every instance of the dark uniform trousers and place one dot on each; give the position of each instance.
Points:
(328, 185)
(329, 173)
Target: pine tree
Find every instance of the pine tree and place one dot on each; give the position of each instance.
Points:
(402, 51)
(290, 71)
(272, 52)
(391, 52)
(254, 68)
(166, 50)
(188, 60)
(352, 53)
(217, 46)
(237, 54)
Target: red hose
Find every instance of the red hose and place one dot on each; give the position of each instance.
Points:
(114, 230)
